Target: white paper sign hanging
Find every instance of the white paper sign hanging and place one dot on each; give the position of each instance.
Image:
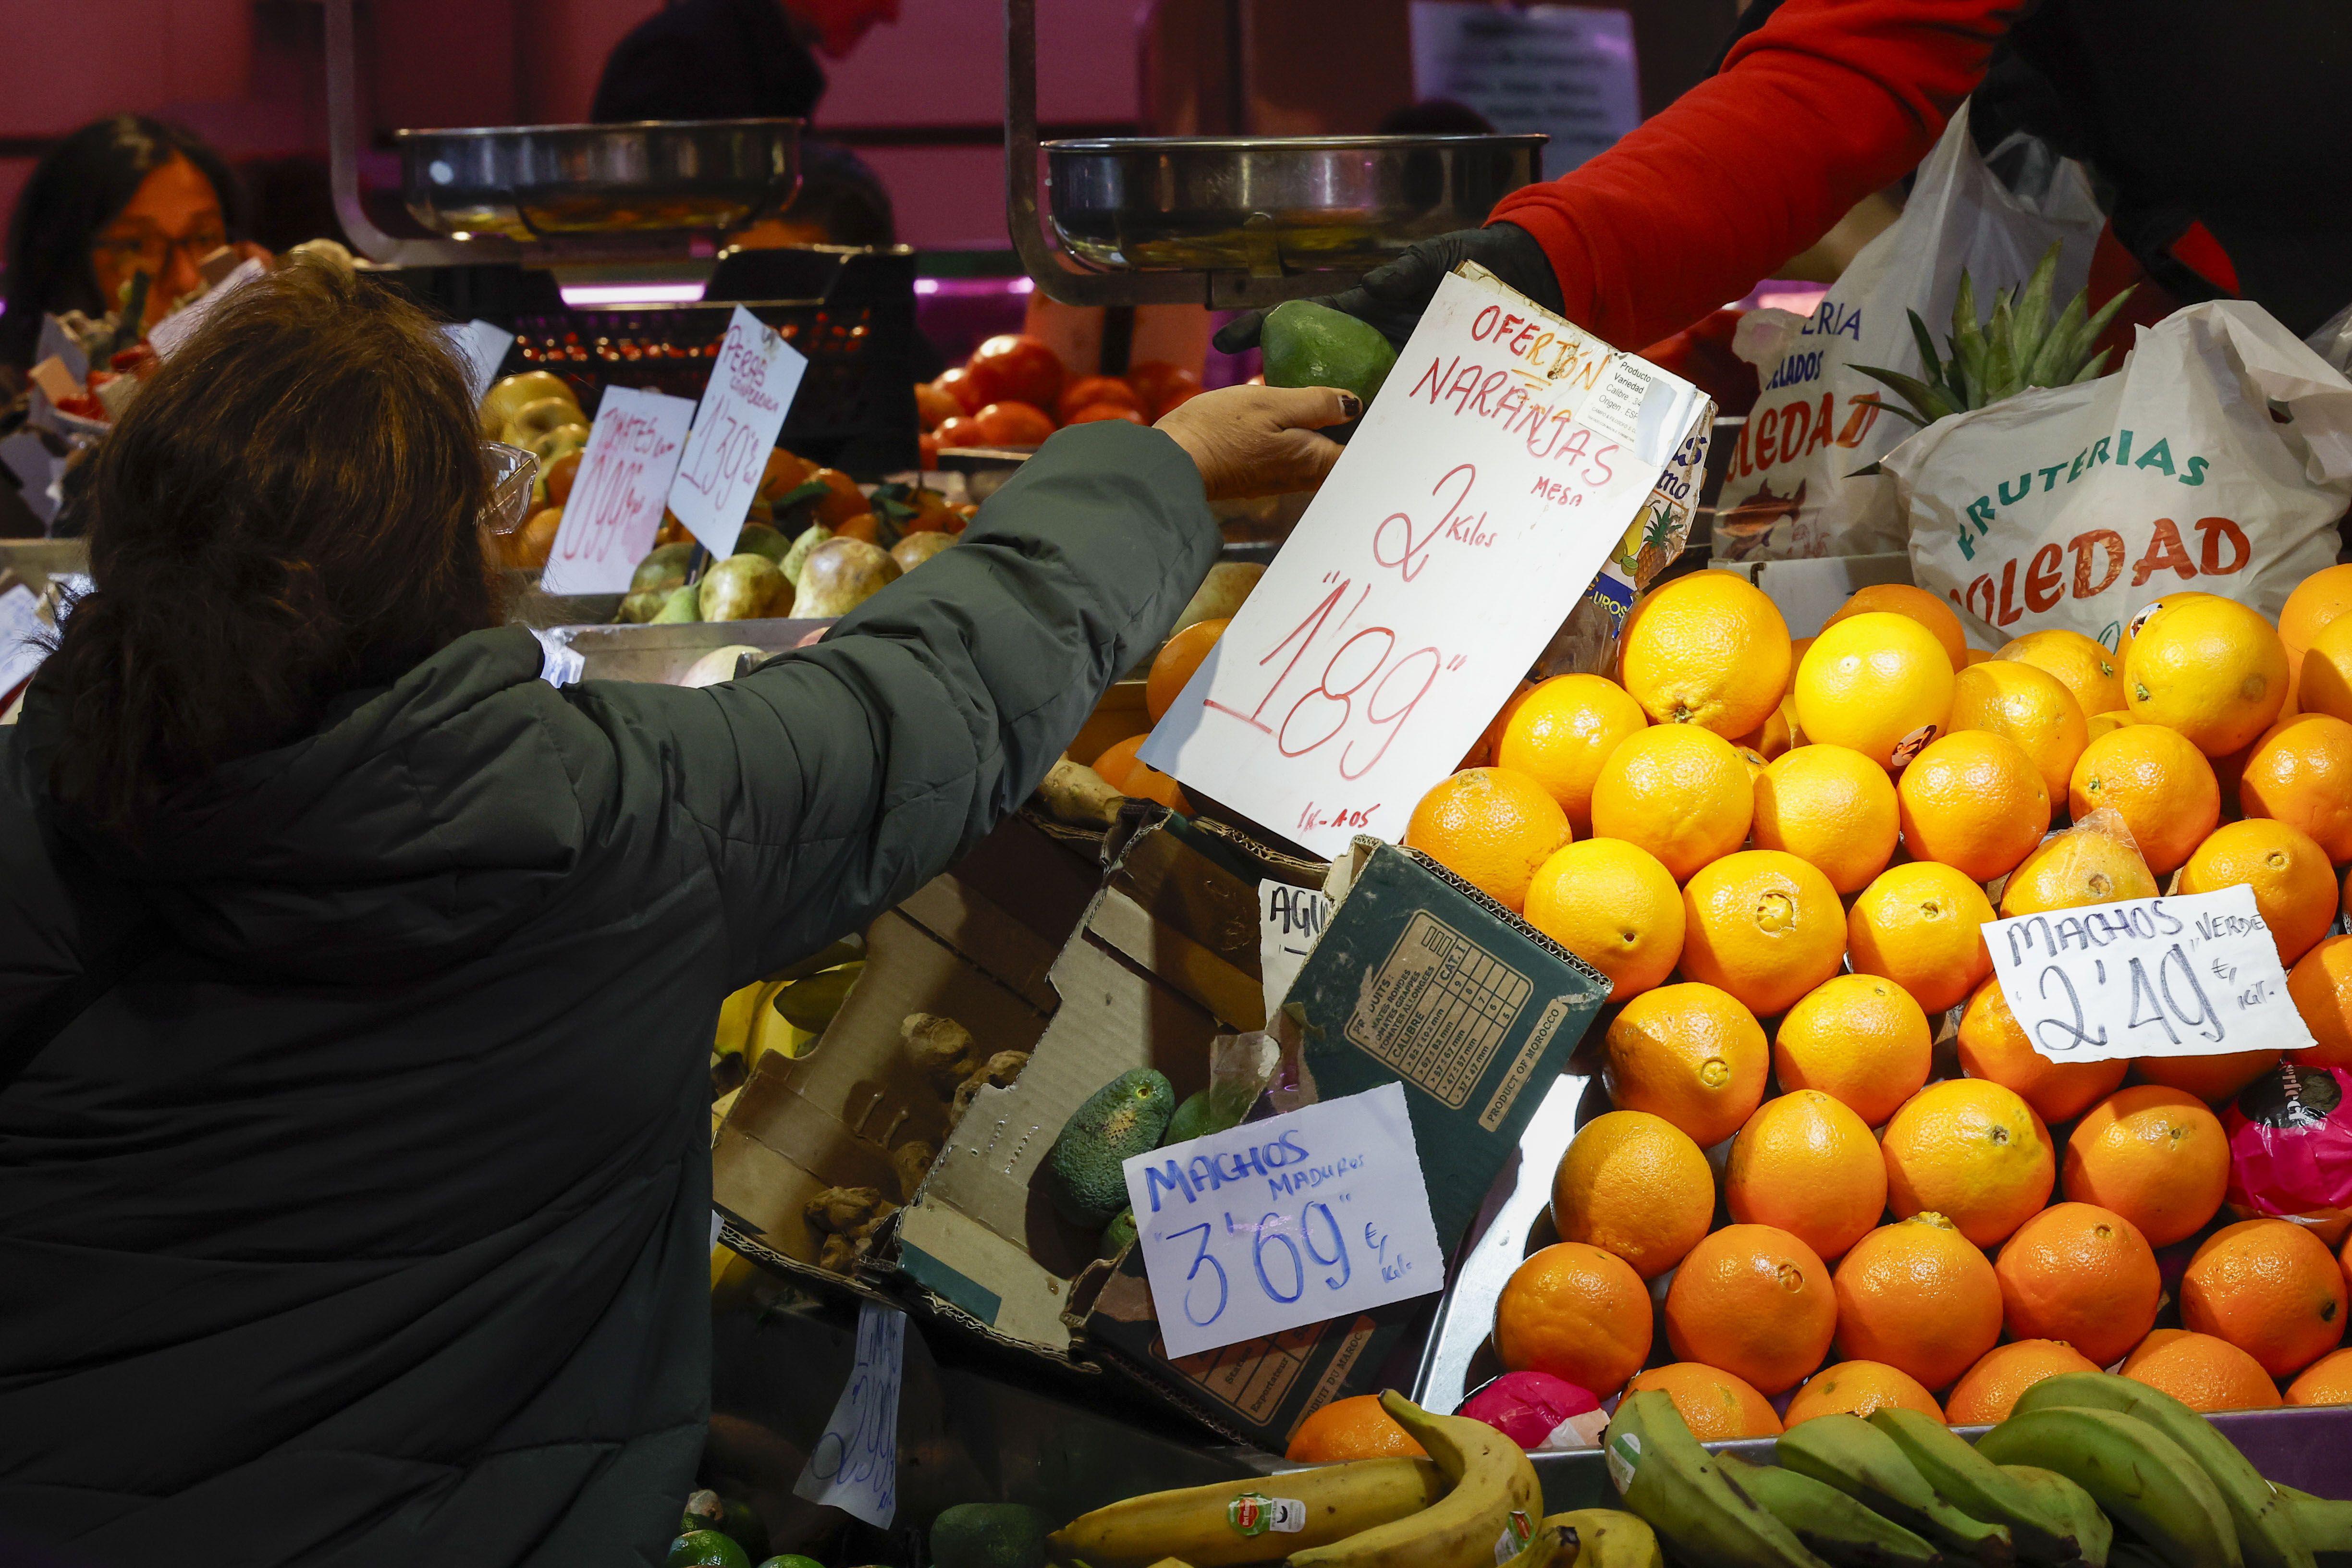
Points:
(751, 389)
(616, 505)
(2197, 975)
(172, 331)
(1289, 921)
(21, 629)
(854, 1465)
(483, 348)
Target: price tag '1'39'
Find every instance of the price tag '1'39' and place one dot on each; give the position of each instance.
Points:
(616, 505)
(751, 388)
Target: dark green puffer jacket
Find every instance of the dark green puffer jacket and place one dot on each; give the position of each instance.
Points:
(363, 1219)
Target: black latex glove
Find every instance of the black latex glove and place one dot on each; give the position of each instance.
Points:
(1393, 295)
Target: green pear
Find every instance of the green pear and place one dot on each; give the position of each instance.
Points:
(742, 588)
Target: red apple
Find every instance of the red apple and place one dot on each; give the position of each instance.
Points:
(1090, 389)
(1015, 368)
(1013, 424)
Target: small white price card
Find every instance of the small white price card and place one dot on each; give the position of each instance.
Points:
(743, 406)
(616, 505)
(1289, 921)
(483, 348)
(2196, 975)
(175, 330)
(1291, 1220)
(1492, 478)
(854, 1465)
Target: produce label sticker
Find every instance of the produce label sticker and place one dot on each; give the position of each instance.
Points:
(616, 505)
(1290, 920)
(481, 348)
(743, 406)
(2196, 975)
(1293, 1220)
(177, 328)
(854, 1465)
(1489, 483)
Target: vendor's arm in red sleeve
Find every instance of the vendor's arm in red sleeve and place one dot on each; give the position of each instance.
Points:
(1827, 101)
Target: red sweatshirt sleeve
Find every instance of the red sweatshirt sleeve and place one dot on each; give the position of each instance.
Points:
(1827, 101)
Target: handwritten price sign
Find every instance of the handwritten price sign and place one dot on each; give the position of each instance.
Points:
(616, 505)
(1291, 1220)
(743, 405)
(1488, 486)
(854, 1465)
(2196, 975)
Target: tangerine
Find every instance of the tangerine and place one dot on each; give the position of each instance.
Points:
(2321, 988)
(1353, 1428)
(1716, 1405)
(1708, 649)
(1635, 1185)
(1878, 683)
(1992, 1046)
(1491, 828)
(2209, 667)
(1755, 1301)
(1921, 925)
(1763, 925)
(1689, 1053)
(1118, 758)
(1677, 790)
(2294, 887)
(2270, 1287)
(1859, 1038)
(1577, 1312)
(1988, 1391)
(1612, 905)
(1559, 735)
(2301, 773)
(1808, 1165)
(2082, 1273)
(1975, 801)
(2082, 665)
(2030, 706)
(1832, 807)
(1914, 604)
(2328, 1381)
(2163, 787)
(2203, 1373)
(1918, 1296)
(2155, 1156)
(1972, 1152)
(1857, 1388)
(1172, 667)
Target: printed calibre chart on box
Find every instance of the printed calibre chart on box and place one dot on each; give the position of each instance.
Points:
(1489, 484)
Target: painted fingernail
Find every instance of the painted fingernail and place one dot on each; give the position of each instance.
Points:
(1350, 405)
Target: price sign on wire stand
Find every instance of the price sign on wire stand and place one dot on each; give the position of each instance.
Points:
(1494, 479)
(854, 1465)
(751, 388)
(616, 505)
(2196, 975)
(1292, 1220)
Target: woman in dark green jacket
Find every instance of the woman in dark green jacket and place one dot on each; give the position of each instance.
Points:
(356, 983)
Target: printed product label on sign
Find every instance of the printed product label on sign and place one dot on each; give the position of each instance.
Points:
(854, 1465)
(1296, 1219)
(751, 389)
(1290, 920)
(1438, 1008)
(616, 507)
(1458, 529)
(2196, 975)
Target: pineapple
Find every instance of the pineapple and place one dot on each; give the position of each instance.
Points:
(1658, 543)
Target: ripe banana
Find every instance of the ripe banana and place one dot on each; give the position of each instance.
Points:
(1494, 1490)
(2094, 1532)
(2137, 1474)
(1835, 1527)
(1254, 1519)
(1611, 1537)
(1677, 1487)
(2265, 1536)
(1977, 1486)
(1551, 1546)
(1857, 1458)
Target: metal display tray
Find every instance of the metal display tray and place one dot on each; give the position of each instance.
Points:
(528, 183)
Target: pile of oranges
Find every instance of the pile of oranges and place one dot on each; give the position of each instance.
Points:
(1780, 853)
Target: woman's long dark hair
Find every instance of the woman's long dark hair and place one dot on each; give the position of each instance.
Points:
(79, 187)
(288, 512)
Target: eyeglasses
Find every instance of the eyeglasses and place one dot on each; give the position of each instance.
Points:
(513, 474)
(151, 253)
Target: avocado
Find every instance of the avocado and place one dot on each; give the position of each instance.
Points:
(683, 605)
(759, 539)
(1196, 1117)
(989, 1535)
(1125, 1117)
(1118, 1236)
(1307, 344)
(705, 1549)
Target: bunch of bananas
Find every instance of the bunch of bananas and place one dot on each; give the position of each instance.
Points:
(2089, 1468)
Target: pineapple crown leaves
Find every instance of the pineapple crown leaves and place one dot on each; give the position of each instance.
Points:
(2019, 345)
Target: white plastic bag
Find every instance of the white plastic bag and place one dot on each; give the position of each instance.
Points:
(1791, 488)
(2218, 458)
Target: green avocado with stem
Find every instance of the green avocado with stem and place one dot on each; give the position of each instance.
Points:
(1124, 1117)
(1307, 344)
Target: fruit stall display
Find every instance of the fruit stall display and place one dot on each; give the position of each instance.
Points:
(1014, 392)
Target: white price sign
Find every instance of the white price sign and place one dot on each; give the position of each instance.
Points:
(482, 347)
(1487, 486)
(2196, 975)
(743, 406)
(1291, 1220)
(616, 505)
(854, 1465)
(172, 331)
(1289, 923)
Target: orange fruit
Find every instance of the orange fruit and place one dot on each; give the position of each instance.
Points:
(1559, 735)
(1975, 801)
(2319, 600)
(1491, 828)
(1878, 683)
(1918, 1296)
(2294, 887)
(1972, 1152)
(1755, 760)
(2144, 614)
(2082, 1273)
(1920, 926)
(1860, 1040)
(1577, 1312)
(2210, 1079)
(1145, 781)
(1691, 1054)
(2320, 986)
(1914, 604)
(2301, 773)
(1708, 649)
(1118, 758)
(1988, 1390)
(1770, 739)
(1830, 806)
(2092, 862)
(1808, 1165)
(2328, 1381)
(1763, 925)
(2030, 706)
(2324, 680)
(2270, 1287)
(1635, 1185)
(1173, 666)
(1677, 790)
(2203, 1373)
(1994, 1049)
(2163, 787)
(2082, 665)
(1716, 1405)
(1484, 750)
(1614, 906)
(2155, 1156)
(2209, 667)
(2099, 724)
(1859, 1387)
(1756, 1301)
(1354, 1429)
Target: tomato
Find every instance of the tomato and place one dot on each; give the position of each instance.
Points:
(1161, 386)
(1095, 412)
(935, 406)
(1013, 424)
(957, 384)
(1089, 391)
(926, 446)
(962, 431)
(1012, 368)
